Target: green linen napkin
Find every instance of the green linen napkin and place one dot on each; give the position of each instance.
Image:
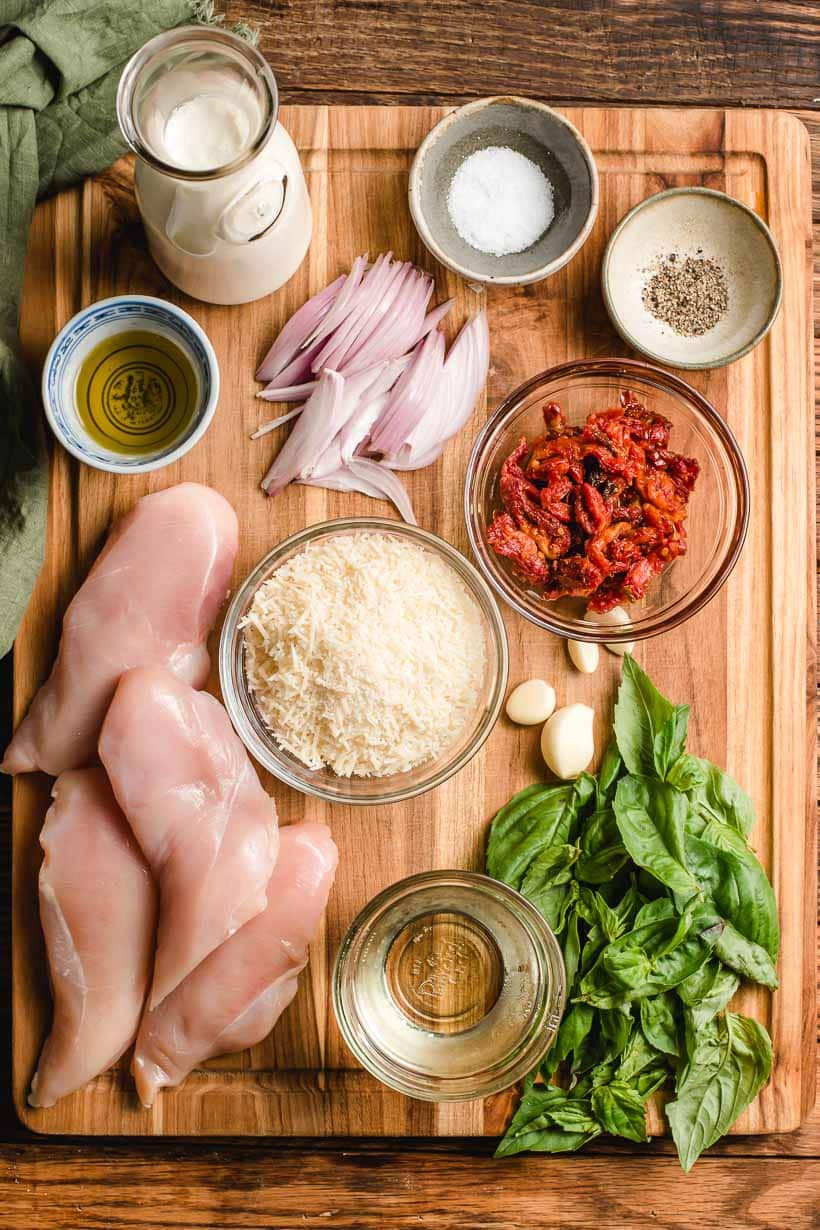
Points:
(60, 63)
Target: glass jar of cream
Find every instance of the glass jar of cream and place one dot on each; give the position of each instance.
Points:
(218, 179)
(449, 986)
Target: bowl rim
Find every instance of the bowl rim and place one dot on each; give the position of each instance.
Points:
(657, 356)
(263, 752)
(420, 222)
(607, 368)
(145, 467)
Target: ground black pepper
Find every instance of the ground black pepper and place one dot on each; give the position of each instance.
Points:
(689, 294)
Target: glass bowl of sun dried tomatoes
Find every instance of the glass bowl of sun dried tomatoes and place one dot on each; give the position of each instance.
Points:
(606, 500)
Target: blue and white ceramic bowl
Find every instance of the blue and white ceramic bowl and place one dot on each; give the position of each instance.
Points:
(82, 333)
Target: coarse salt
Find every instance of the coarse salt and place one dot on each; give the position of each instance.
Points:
(499, 201)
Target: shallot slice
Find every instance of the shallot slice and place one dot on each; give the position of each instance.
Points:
(434, 318)
(387, 483)
(290, 392)
(297, 371)
(341, 305)
(274, 423)
(358, 389)
(368, 294)
(385, 397)
(347, 480)
(297, 329)
(321, 418)
(399, 329)
(463, 377)
(382, 305)
(411, 397)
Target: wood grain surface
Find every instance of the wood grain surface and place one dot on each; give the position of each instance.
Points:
(765, 1181)
(752, 639)
(722, 52)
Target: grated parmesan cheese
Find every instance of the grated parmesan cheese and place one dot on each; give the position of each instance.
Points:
(365, 653)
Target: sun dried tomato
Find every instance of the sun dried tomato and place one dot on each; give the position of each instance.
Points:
(595, 511)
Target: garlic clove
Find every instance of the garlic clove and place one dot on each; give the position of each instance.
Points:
(615, 618)
(531, 702)
(584, 655)
(567, 743)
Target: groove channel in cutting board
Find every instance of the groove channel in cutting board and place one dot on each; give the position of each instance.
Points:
(743, 664)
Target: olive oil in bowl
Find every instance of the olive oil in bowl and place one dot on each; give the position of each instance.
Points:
(136, 393)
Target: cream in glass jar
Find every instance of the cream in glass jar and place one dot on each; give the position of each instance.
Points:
(218, 179)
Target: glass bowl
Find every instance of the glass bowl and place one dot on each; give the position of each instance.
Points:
(324, 783)
(449, 986)
(718, 508)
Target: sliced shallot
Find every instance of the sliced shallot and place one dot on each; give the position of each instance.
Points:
(296, 330)
(318, 423)
(384, 397)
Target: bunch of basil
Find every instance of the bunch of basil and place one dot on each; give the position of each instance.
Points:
(645, 875)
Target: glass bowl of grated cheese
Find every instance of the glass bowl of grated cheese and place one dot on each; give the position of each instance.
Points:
(363, 661)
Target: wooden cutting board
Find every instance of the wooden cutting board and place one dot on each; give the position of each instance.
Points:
(745, 664)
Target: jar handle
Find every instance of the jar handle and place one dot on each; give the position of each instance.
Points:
(255, 209)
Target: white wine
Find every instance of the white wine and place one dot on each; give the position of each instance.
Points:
(449, 986)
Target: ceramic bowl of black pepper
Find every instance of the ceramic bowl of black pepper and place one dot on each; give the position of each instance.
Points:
(504, 190)
(691, 277)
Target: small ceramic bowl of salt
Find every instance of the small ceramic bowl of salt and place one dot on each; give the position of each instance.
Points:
(504, 190)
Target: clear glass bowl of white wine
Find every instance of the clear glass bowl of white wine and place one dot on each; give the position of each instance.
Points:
(449, 986)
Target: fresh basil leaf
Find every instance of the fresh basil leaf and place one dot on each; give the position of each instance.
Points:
(600, 868)
(620, 1110)
(586, 788)
(593, 946)
(532, 1127)
(537, 818)
(615, 1027)
(659, 1022)
(698, 985)
(623, 969)
(628, 908)
(573, 1030)
(599, 1075)
(707, 1006)
(571, 948)
(638, 1055)
(547, 883)
(575, 1116)
(650, 1079)
(654, 911)
(595, 911)
(651, 817)
(612, 767)
(669, 743)
(732, 879)
(552, 866)
(729, 1063)
(687, 773)
(745, 958)
(640, 713)
(602, 852)
(646, 961)
(719, 797)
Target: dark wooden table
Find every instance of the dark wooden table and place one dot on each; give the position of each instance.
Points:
(759, 53)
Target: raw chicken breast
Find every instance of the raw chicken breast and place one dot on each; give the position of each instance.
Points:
(236, 996)
(98, 910)
(197, 809)
(151, 598)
